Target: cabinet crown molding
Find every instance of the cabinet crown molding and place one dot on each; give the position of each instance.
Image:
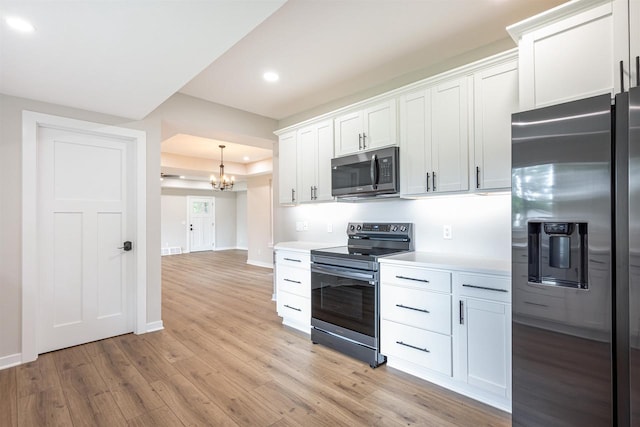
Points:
(517, 30)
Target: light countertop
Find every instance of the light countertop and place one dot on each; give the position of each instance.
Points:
(450, 262)
(301, 246)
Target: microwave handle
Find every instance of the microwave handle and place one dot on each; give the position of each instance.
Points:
(374, 171)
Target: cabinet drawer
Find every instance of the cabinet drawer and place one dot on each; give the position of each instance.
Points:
(421, 278)
(293, 259)
(294, 280)
(424, 348)
(295, 310)
(497, 288)
(418, 308)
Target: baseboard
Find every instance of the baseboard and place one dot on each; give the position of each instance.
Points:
(260, 263)
(10, 360)
(242, 248)
(155, 326)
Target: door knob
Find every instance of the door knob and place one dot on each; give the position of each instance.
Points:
(127, 246)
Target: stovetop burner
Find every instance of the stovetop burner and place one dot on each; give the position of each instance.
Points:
(370, 241)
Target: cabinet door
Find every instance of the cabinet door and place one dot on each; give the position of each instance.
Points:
(307, 160)
(495, 99)
(569, 59)
(634, 40)
(348, 133)
(415, 142)
(485, 345)
(287, 168)
(324, 156)
(380, 125)
(450, 142)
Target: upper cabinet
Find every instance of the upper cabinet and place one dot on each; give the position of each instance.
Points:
(434, 140)
(368, 128)
(450, 136)
(287, 168)
(455, 132)
(570, 52)
(495, 98)
(315, 150)
(626, 15)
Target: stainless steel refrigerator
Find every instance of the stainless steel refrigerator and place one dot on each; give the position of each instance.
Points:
(576, 263)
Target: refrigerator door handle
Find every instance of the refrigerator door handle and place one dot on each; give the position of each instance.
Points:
(461, 312)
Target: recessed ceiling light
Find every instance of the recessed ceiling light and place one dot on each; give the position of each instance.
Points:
(246, 158)
(182, 177)
(19, 24)
(271, 76)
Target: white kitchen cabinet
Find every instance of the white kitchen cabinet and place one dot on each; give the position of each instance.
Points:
(450, 138)
(568, 53)
(415, 142)
(415, 312)
(373, 126)
(495, 99)
(315, 150)
(434, 140)
(483, 323)
(287, 168)
(293, 288)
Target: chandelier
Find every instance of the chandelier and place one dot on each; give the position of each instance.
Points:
(224, 183)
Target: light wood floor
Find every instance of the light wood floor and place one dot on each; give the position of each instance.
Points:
(223, 359)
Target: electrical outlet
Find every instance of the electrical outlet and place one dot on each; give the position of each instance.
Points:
(446, 232)
(299, 226)
(305, 226)
(329, 227)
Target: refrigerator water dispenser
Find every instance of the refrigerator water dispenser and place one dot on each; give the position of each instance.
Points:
(558, 253)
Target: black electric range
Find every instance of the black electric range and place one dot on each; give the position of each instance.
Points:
(345, 292)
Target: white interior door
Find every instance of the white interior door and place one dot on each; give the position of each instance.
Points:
(201, 223)
(85, 277)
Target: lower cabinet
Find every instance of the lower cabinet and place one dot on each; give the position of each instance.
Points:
(452, 328)
(293, 289)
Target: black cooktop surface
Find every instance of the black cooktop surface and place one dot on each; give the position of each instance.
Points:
(356, 252)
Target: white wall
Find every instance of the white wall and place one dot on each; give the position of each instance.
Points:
(225, 220)
(173, 223)
(481, 225)
(241, 223)
(259, 221)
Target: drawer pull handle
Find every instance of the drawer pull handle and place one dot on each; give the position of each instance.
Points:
(422, 310)
(535, 304)
(292, 259)
(293, 308)
(412, 278)
(466, 285)
(292, 281)
(413, 346)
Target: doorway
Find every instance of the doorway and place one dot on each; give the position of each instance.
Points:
(201, 220)
(82, 202)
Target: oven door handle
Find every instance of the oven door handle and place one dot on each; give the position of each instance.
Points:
(343, 272)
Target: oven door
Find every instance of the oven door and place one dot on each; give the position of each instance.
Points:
(344, 302)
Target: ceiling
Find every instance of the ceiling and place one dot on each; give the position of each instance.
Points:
(327, 50)
(125, 58)
(205, 148)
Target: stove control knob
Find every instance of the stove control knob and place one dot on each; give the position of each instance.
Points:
(359, 227)
(394, 228)
(403, 228)
(352, 227)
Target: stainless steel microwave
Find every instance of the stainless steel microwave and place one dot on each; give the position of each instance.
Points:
(367, 174)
